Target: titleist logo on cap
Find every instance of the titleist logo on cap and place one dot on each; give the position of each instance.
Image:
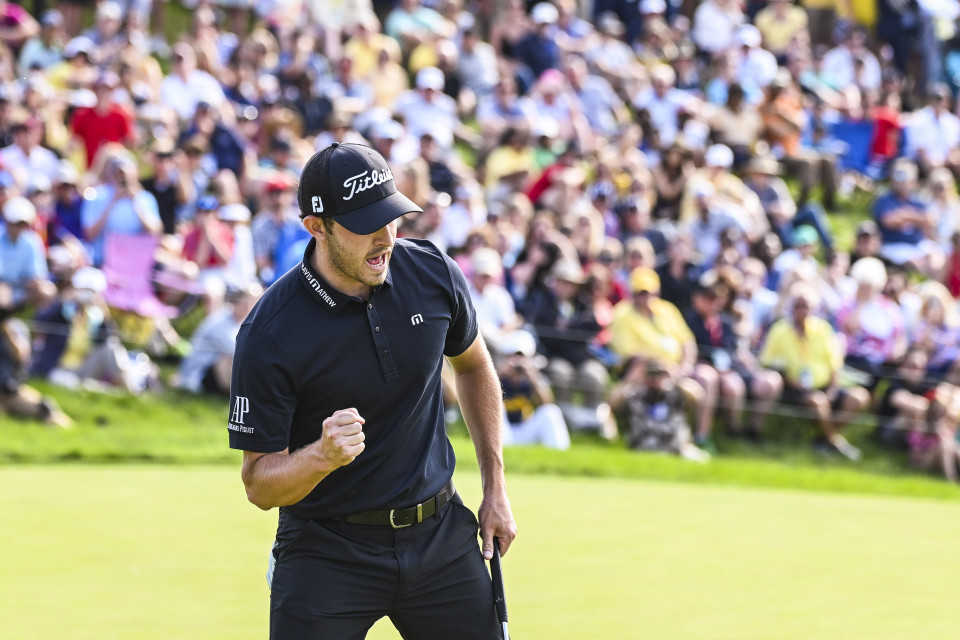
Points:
(362, 181)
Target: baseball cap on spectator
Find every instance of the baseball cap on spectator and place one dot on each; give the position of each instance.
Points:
(518, 342)
(207, 203)
(703, 189)
(277, 182)
(82, 98)
(765, 164)
(163, 146)
(38, 183)
(352, 184)
(903, 170)
(748, 35)
(803, 235)
(78, 45)
(109, 11)
(280, 143)
(388, 130)
(430, 78)
(66, 173)
(781, 78)
(868, 228)
(569, 271)
(107, 79)
(234, 213)
(544, 13)
(339, 120)
(648, 7)
(644, 279)
(486, 262)
(869, 271)
(89, 278)
(51, 18)
(609, 23)
(939, 91)
(19, 209)
(718, 155)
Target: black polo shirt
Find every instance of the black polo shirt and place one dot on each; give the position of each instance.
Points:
(307, 350)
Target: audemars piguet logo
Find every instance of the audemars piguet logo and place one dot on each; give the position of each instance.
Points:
(241, 407)
(366, 180)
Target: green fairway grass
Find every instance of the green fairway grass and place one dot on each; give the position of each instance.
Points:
(150, 552)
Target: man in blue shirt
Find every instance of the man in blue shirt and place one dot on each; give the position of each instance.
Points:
(23, 260)
(906, 228)
(336, 404)
(121, 206)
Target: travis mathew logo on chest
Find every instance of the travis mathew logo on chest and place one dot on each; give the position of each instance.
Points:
(315, 285)
(366, 180)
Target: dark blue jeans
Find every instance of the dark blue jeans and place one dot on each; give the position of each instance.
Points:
(811, 214)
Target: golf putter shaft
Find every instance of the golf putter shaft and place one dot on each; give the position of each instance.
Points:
(499, 598)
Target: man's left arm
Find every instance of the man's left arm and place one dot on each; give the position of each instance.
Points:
(481, 403)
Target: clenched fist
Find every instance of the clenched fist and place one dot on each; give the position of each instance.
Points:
(342, 438)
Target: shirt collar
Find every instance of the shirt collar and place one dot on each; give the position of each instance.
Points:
(329, 298)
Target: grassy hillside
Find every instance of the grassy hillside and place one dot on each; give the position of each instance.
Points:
(178, 428)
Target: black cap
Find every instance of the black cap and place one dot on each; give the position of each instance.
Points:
(352, 184)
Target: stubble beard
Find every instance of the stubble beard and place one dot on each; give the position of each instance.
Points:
(351, 266)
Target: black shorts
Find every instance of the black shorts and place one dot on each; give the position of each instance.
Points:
(335, 580)
(794, 397)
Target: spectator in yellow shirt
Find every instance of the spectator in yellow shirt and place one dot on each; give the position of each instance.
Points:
(784, 28)
(653, 329)
(807, 353)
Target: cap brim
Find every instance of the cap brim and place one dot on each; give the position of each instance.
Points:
(377, 215)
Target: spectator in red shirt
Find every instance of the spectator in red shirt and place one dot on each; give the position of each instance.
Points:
(885, 145)
(105, 122)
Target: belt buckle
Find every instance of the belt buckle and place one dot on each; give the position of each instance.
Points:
(394, 525)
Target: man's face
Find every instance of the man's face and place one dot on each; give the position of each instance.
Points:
(357, 259)
(801, 309)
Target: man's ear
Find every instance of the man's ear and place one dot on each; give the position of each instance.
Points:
(314, 227)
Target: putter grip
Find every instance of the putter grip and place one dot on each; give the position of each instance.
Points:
(496, 573)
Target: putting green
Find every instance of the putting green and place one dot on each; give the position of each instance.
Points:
(177, 552)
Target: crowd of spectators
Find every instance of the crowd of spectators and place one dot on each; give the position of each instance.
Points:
(638, 193)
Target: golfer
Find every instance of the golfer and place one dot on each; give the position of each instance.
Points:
(336, 404)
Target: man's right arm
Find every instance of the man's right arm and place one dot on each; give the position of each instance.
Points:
(283, 478)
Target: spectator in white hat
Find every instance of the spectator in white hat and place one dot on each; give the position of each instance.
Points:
(714, 23)
(729, 194)
(757, 65)
(241, 269)
(539, 50)
(427, 109)
(531, 415)
(78, 69)
(664, 102)
(23, 259)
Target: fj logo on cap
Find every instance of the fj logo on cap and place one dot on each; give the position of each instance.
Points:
(317, 204)
(361, 182)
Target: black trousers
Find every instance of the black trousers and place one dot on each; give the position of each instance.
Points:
(334, 581)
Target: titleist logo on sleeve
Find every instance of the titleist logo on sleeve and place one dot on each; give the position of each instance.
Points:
(361, 182)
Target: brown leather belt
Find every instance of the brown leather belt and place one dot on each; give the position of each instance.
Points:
(400, 518)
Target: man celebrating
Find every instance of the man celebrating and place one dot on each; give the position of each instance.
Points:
(336, 404)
